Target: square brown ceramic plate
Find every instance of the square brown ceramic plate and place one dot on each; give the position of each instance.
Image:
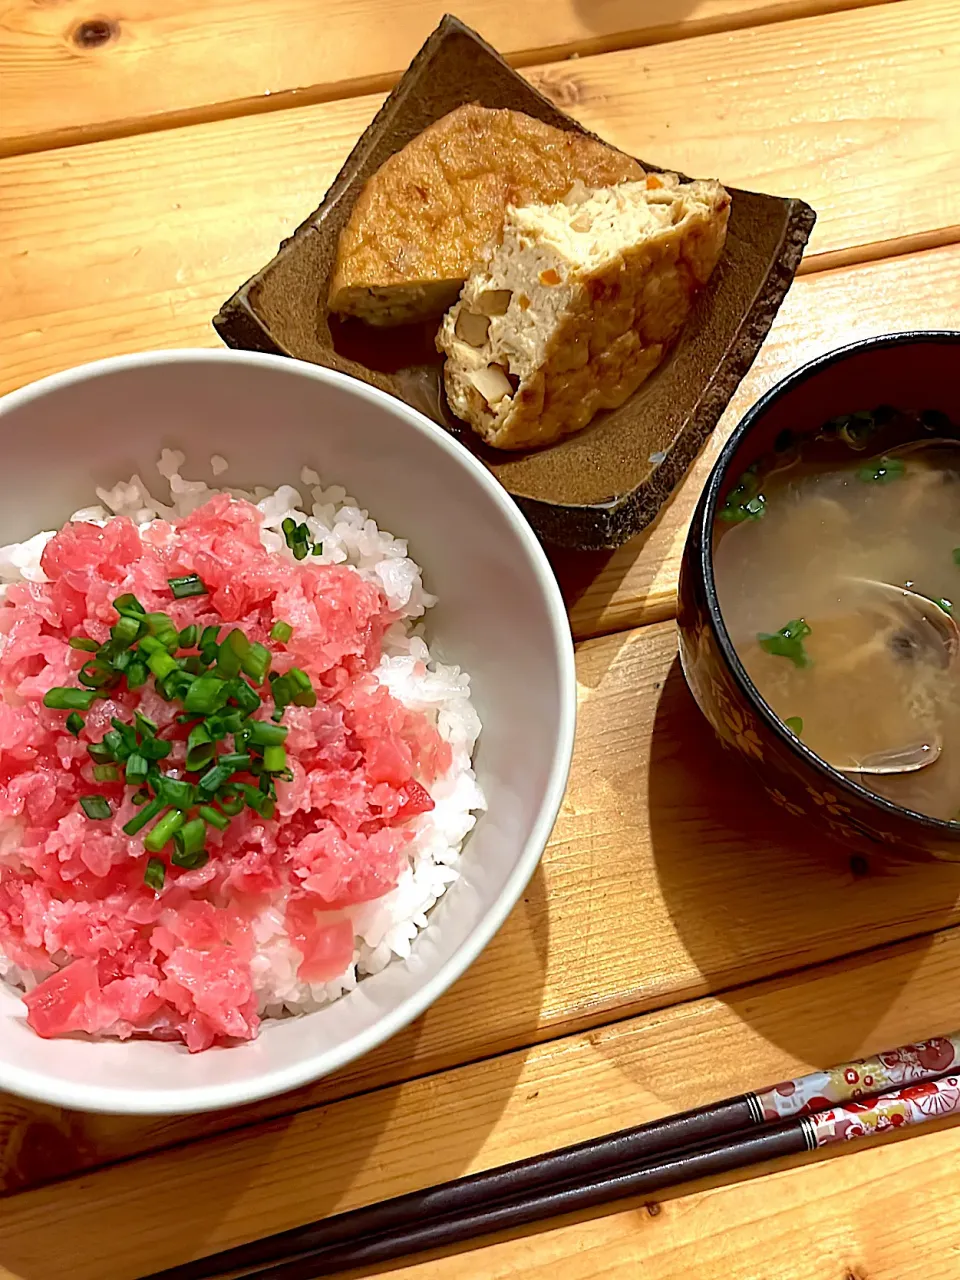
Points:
(601, 486)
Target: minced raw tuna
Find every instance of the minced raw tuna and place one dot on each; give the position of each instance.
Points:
(97, 949)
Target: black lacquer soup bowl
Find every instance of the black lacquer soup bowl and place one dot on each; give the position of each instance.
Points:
(919, 370)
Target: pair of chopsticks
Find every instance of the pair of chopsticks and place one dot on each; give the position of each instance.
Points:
(898, 1088)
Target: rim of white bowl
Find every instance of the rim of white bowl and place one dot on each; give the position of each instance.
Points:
(91, 1097)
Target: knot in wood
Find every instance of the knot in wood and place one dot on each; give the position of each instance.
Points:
(95, 32)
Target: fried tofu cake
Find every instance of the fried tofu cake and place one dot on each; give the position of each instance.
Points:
(577, 305)
(425, 218)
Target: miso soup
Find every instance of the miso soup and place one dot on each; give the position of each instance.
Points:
(837, 565)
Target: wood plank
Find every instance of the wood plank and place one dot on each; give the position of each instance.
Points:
(638, 583)
(95, 263)
(116, 1223)
(160, 64)
(669, 876)
(845, 1219)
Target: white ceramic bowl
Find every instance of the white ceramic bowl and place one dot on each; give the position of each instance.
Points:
(500, 616)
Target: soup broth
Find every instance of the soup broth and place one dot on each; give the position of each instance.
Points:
(837, 568)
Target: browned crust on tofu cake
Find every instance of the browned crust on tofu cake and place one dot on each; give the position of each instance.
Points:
(429, 212)
(578, 305)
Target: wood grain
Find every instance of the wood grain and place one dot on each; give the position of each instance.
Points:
(887, 1212)
(116, 1223)
(638, 583)
(669, 876)
(134, 243)
(158, 64)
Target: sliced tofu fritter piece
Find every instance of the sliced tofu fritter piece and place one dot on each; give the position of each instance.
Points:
(577, 305)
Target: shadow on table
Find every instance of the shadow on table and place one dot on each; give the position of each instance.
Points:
(622, 15)
(752, 892)
(42, 1143)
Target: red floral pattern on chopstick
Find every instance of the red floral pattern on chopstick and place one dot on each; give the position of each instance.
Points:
(916, 1104)
(909, 1064)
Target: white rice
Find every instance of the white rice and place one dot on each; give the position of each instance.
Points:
(385, 928)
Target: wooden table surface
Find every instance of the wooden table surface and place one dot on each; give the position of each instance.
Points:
(679, 943)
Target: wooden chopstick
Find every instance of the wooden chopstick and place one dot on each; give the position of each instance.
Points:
(794, 1116)
(916, 1104)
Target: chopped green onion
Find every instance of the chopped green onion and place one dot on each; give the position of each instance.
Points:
(61, 699)
(237, 641)
(140, 797)
(96, 807)
(188, 637)
(136, 675)
(129, 606)
(155, 748)
(788, 642)
(84, 643)
(744, 501)
(175, 684)
(125, 632)
(146, 814)
(145, 725)
(95, 674)
(161, 627)
(126, 731)
(216, 728)
(122, 660)
(214, 817)
(200, 747)
(255, 663)
(176, 792)
(138, 766)
(106, 773)
(282, 690)
(260, 803)
(100, 752)
(317, 549)
(289, 528)
(265, 734)
(189, 585)
(228, 661)
(154, 874)
(795, 725)
(164, 831)
(114, 743)
(945, 605)
(190, 861)
(246, 698)
(275, 759)
(234, 760)
(231, 720)
(226, 766)
(302, 690)
(230, 802)
(232, 652)
(206, 695)
(75, 723)
(956, 555)
(161, 664)
(209, 636)
(882, 470)
(150, 644)
(281, 631)
(300, 550)
(191, 837)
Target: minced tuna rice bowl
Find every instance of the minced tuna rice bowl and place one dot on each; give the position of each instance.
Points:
(233, 778)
